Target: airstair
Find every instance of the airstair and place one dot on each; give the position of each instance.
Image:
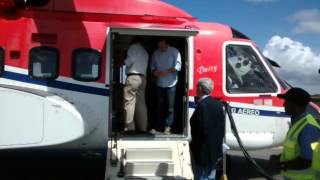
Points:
(150, 160)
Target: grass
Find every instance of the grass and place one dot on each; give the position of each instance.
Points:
(317, 101)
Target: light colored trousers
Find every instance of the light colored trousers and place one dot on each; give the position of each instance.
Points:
(135, 104)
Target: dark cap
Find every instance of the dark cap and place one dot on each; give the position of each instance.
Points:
(296, 95)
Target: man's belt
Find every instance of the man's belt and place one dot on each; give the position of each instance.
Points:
(137, 74)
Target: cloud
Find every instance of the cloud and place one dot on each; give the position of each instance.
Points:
(260, 1)
(299, 63)
(307, 21)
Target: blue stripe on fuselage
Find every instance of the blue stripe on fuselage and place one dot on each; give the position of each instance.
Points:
(105, 92)
(56, 84)
(249, 111)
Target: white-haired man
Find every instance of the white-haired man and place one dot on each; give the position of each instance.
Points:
(207, 132)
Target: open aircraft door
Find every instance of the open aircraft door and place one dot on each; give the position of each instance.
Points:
(187, 34)
(170, 147)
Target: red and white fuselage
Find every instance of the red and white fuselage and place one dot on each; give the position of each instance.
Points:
(66, 112)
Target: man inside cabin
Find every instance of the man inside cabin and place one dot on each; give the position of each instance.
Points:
(165, 65)
(134, 90)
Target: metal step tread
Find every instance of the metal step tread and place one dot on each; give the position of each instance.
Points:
(148, 153)
(149, 168)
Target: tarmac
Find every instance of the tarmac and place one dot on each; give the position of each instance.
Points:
(240, 169)
(38, 168)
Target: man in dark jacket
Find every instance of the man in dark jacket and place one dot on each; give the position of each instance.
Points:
(207, 132)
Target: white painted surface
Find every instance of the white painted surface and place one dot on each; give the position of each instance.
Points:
(92, 108)
(257, 131)
(251, 140)
(190, 61)
(63, 123)
(21, 118)
(30, 120)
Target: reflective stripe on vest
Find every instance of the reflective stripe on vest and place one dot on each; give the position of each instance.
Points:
(306, 174)
(291, 150)
(316, 156)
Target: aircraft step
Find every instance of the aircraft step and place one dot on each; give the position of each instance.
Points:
(149, 154)
(149, 168)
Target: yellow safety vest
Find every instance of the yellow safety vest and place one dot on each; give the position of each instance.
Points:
(291, 150)
(316, 157)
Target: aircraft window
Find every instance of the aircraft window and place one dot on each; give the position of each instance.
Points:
(1, 60)
(246, 73)
(44, 63)
(86, 64)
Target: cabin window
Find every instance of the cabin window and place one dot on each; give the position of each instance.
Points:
(1, 60)
(86, 64)
(246, 73)
(44, 63)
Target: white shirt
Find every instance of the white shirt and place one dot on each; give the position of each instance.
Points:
(137, 59)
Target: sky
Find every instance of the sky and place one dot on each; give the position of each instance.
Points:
(287, 31)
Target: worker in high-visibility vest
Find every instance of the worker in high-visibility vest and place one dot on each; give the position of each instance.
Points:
(300, 158)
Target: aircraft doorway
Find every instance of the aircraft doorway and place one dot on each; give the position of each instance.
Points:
(119, 46)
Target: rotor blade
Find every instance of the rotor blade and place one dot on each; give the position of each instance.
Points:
(273, 63)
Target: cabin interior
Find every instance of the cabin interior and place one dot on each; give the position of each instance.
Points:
(120, 45)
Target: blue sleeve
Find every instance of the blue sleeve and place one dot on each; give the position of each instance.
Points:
(308, 135)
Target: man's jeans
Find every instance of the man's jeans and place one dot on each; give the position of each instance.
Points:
(204, 173)
(166, 99)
